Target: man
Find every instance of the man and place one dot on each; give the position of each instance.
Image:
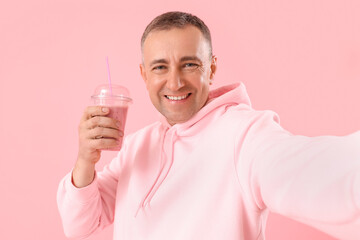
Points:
(213, 167)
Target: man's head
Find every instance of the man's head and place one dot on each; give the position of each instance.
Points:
(178, 65)
(169, 20)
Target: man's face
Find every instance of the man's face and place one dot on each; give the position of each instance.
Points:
(177, 70)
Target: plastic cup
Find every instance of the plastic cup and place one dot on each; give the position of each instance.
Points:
(117, 99)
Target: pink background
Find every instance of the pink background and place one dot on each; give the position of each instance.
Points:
(299, 58)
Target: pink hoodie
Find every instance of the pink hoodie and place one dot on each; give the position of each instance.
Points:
(217, 176)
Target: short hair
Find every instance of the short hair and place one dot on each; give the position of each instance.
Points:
(169, 20)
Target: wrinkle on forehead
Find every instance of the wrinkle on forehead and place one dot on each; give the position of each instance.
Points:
(176, 43)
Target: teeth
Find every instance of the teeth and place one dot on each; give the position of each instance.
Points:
(176, 98)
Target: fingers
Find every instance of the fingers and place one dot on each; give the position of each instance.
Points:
(93, 111)
(100, 121)
(98, 131)
(104, 143)
(98, 138)
(101, 132)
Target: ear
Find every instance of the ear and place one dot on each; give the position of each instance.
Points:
(143, 73)
(213, 66)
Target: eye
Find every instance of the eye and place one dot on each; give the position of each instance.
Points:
(159, 68)
(191, 65)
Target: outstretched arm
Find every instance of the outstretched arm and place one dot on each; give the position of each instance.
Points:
(314, 180)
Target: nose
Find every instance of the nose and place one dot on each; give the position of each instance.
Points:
(174, 80)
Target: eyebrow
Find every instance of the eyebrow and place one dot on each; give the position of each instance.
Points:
(183, 59)
(187, 58)
(156, 61)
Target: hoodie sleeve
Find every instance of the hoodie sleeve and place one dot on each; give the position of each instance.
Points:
(314, 180)
(85, 211)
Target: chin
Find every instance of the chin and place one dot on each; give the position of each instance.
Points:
(180, 119)
(175, 121)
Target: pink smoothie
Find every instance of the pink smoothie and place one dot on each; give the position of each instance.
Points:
(119, 113)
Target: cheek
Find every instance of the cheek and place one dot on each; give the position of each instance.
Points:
(197, 78)
(154, 86)
(151, 83)
(204, 75)
(205, 84)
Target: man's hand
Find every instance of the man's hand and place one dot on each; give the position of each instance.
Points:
(96, 132)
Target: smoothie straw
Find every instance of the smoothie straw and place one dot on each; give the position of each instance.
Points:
(109, 77)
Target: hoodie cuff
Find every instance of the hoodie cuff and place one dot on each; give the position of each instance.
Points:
(357, 190)
(81, 195)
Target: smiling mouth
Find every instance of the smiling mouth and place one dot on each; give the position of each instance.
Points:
(177, 98)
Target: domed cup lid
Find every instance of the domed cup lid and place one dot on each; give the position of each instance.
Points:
(116, 92)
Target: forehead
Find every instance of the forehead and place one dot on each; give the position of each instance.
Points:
(175, 43)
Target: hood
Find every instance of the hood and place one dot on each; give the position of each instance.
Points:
(223, 97)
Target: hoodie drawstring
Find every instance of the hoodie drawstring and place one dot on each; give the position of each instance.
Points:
(158, 181)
